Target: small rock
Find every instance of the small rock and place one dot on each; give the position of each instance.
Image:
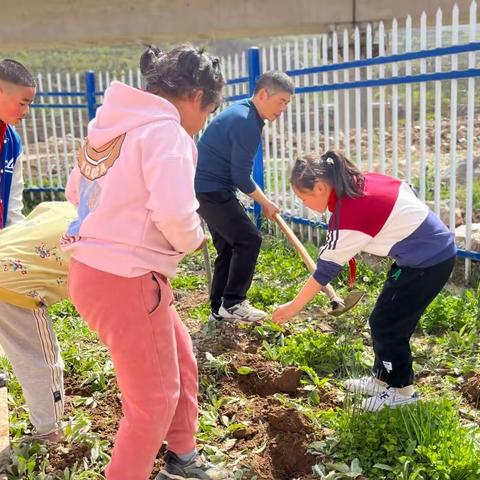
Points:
(460, 234)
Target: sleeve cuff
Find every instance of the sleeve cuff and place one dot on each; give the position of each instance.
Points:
(326, 271)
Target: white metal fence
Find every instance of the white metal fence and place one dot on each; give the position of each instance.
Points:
(394, 98)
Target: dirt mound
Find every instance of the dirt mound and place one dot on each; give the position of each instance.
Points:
(225, 336)
(264, 378)
(471, 388)
(276, 438)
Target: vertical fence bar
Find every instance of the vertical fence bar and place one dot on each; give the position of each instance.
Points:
(288, 66)
(346, 95)
(273, 129)
(326, 116)
(298, 122)
(394, 101)
(358, 105)
(45, 139)
(381, 113)
(64, 132)
(71, 122)
(423, 109)
(282, 138)
(139, 78)
(306, 106)
(453, 125)
(408, 104)
(267, 160)
(253, 74)
(80, 101)
(90, 94)
(37, 149)
(27, 154)
(438, 113)
(369, 101)
(54, 131)
(336, 109)
(316, 113)
(470, 138)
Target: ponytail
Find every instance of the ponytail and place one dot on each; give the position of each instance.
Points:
(150, 57)
(331, 167)
(182, 71)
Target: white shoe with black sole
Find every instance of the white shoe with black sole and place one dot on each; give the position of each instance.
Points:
(390, 398)
(242, 312)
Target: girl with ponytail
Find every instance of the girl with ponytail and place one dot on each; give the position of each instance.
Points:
(381, 215)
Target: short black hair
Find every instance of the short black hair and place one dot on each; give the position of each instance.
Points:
(275, 81)
(182, 71)
(14, 72)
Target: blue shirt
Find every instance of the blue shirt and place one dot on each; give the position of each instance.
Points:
(11, 151)
(227, 149)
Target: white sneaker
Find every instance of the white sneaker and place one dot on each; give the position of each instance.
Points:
(365, 386)
(388, 398)
(242, 312)
(214, 317)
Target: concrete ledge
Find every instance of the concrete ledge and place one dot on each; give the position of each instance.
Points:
(59, 24)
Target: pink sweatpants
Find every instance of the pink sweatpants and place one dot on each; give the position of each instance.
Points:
(154, 363)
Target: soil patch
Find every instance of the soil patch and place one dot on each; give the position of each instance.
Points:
(471, 389)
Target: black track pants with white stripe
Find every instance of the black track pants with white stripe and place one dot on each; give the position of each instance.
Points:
(405, 296)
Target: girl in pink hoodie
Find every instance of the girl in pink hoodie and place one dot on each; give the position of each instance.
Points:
(133, 188)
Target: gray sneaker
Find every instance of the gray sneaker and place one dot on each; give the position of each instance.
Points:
(197, 468)
(55, 436)
(242, 312)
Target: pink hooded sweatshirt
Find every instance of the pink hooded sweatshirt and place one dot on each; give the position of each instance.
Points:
(133, 187)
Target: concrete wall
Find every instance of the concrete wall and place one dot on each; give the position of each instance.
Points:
(66, 23)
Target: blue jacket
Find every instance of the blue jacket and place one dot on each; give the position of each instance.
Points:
(12, 149)
(227, 148)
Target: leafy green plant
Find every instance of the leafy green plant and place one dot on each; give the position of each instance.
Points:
(323, 352)
(424, 439)
(452, 312)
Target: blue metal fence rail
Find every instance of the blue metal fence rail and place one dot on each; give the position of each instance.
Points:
(254, 68)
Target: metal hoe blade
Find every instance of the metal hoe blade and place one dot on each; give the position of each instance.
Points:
(352, 299)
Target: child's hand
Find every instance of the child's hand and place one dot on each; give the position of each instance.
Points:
(284, 313)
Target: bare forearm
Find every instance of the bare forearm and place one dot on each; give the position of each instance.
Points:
(308, 292)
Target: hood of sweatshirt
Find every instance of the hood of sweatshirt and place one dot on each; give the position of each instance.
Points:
(126, 108)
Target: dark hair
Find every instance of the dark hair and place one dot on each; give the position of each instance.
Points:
(333, 168)
(274, 82)
(14, 72)
(182, 71)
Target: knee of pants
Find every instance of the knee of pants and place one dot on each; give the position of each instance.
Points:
(155, 414)
(252, 242)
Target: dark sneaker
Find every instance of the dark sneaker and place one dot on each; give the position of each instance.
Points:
(3, 379)
(195, 469)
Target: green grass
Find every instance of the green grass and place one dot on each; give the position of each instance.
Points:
(425, 441)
